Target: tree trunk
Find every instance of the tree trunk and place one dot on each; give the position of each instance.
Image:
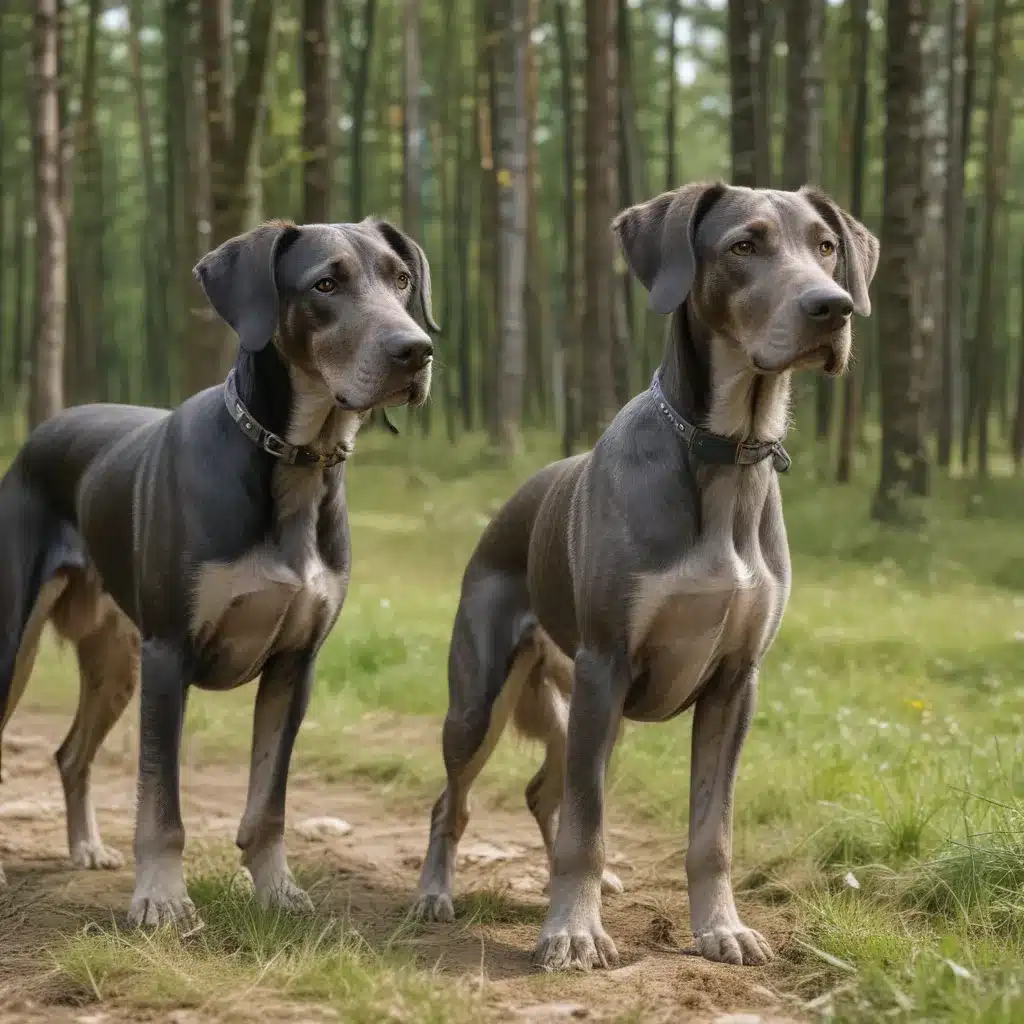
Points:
(538, 355)
(860, 31)
(952, 319)
(488, 281)
(1017, 436)
(464, 227)
(316, 114)
(510, 31)
(47, 396)
(743, 40)
(801, 160)
(21, 260)
(997, 126)
(360, 89)
(153, 251)
(899, 297)
(599, 310)
(762, 45)
(569, 334)
(802, 144)
(412, 73)
(671, 101)
(231, 118)
(629, 164)
(936, 175)
(447, 130)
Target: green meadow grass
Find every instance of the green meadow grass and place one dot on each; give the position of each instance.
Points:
(881, 792)
(264, 956)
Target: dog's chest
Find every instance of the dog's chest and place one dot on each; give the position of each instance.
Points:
(723, 600)
(279, 596)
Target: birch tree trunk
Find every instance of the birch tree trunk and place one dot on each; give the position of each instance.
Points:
(569, 334)
(47, 394)
(598, 258)
(510, 29)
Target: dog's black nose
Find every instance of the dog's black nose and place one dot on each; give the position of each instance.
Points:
(828, 308)
(412, 351)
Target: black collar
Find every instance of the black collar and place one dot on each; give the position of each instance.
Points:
(294, 455)
(716, 449)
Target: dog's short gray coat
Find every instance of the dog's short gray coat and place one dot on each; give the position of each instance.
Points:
(169, 544)
(635, 581)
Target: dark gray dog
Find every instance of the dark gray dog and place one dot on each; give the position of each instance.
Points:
(658, 562)
(210, 545)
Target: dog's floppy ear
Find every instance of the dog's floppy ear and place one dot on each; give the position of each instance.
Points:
(657, 239)
(238, 278)
(858, 257)
(416, 260)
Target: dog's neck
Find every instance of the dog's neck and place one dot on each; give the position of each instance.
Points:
(291, 403)
(711, 383)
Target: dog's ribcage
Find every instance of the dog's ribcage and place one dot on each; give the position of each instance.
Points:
(723, 599)
(279, 596)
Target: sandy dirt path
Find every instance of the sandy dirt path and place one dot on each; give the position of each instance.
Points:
(370, 875)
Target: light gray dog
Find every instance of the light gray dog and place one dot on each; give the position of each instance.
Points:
(651, 574)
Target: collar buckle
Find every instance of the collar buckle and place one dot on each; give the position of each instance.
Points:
(780, 458)
(278, 448)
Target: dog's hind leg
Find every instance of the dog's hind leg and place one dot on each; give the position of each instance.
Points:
(28, 646)
(108, 665)
(281, 703)
(543, 714)
(490, 659)
(25, 656)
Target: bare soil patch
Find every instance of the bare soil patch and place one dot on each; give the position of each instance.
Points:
(368, 875)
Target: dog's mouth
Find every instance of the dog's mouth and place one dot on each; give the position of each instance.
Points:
(824, 356)
(413, 394)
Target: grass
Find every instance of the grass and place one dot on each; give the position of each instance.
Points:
(887, 748)
(247, 953)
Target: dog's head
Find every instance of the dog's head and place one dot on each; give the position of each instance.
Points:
(347, 304)
(777, 274)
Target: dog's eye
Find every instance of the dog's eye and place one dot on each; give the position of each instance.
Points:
(827, 248)
(403, 281)
(743, 248)
(326, 285)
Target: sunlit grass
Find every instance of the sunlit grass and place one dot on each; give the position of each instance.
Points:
(266, 957)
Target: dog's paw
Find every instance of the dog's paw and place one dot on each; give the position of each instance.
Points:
(161, 899)
(285, 895)
(95, 856)
(434, 906)
(734, 946)
(152, 911)
(611, 884)
(563, 949)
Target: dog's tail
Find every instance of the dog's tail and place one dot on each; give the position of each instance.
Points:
(37, 549)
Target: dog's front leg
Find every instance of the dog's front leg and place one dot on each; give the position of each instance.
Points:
(720, 722)
(160, 896)
(280, 707)
(572, 935)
